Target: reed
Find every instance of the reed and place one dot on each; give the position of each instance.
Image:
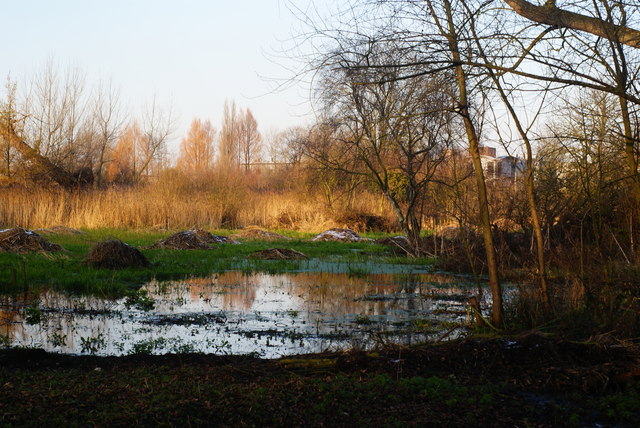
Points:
(169, 206)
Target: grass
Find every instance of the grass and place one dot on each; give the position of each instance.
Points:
(64, 271)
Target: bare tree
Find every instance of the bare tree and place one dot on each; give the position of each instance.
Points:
(288, 146)
(8, 120)
(197, 148)
(107, 119)
(228, 143)
(249, 139)
(391, 131)
(157, 126)
(124, 166)
(56, 110)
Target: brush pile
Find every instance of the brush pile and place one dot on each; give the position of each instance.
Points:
(256, 233)
(194, 239)
(279, 254)
(361, 222)
(340, 235)
(19, 240)
(399, 244)
(115, 254)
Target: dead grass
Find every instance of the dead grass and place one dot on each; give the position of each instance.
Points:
(174, 202)
(19, 240)
(115, 254)
(146, 207)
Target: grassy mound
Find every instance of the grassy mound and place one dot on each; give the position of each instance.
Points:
(19, 240)
(115, 254)
(194, 239)
(340, 235)
(255, 233)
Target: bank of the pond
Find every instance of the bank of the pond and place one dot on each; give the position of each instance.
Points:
(529, 380)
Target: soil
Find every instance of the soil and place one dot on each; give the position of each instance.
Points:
(19, 240)
(529, 380)
(115, 254)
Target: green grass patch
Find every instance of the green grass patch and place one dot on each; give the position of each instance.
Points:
(64, 271)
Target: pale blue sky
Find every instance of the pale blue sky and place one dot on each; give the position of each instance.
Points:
(191, 54)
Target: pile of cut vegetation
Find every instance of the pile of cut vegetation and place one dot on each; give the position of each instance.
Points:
(194, 239)
(361, 222)
(398, 243)
(341, 235)
(256, 233)
(19, 240)
(59, 230)
(279, 254)
(115, 254)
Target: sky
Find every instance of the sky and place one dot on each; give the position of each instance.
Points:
(190, 55)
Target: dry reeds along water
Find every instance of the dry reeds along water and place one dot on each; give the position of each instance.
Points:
(156, 206)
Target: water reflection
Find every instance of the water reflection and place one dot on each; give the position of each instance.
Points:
(270, 315)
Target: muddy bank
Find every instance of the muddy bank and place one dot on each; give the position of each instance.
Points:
(517, 381)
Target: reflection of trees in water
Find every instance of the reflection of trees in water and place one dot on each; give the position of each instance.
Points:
(337, 293)
(11, 318)
(240, 291)
(231, 291)
(373, 294)
(56, 319)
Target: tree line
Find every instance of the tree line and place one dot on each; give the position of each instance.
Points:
(61, 129)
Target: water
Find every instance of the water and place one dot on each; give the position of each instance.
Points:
(235, 313)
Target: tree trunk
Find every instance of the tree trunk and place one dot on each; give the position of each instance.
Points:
(474, 152)
(39, 164)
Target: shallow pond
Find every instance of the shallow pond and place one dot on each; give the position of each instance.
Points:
(239, 313)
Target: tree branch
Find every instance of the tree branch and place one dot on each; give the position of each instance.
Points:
(549, 14)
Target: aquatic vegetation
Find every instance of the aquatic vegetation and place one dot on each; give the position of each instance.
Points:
(92, 345)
